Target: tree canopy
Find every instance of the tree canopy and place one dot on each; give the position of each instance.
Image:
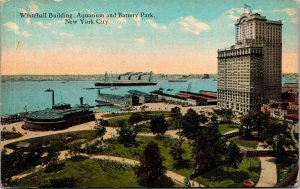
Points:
(159, 125)
(127, 134)
(190, 124)
(233, 156)
(278, 137)
(225, 115)
(151, 169)
(177, 151)
(254, 121)
(208, 147)
(135, 117)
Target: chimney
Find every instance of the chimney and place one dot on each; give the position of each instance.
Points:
(53, 102)
(81, 101)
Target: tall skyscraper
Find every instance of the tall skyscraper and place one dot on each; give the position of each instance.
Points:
(250, 71)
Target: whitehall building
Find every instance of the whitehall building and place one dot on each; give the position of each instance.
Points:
(250, 71)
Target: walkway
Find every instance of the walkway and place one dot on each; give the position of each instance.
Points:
(169, 133)
(268, 174)
(174, 176)
(110, 132)
(232, 131)
(33, 134)
(64, 154)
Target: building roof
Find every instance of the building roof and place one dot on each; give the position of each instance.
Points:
(293, 116)
(208, 93)
(56, 114)
(138, 93)
(168, 95)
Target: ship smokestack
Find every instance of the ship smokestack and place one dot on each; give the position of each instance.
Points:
(53, 101)
(81, 101)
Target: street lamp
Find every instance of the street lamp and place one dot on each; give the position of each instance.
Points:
(50, 90)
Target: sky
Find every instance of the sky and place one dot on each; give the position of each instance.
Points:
(183, 37)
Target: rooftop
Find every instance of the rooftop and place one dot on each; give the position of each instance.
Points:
(56, 113)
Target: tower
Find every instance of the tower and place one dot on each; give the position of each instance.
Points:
(250, 71)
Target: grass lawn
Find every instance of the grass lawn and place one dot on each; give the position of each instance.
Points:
(46, 140)
(223, 128)
(87, 173)
(244, 143)
(129, 113)
(164, 144)
(217, 177)
(114, 120)
(284, 166)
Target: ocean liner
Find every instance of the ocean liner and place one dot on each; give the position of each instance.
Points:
(129, 81)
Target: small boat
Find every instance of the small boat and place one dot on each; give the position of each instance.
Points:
(177, 80)
(169, 89)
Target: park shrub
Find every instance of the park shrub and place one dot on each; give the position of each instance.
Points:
(6, 135)
(104, 122)
(52, 167)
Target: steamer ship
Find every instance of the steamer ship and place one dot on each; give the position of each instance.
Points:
(130, 81)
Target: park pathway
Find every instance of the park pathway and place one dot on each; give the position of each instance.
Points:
(268, 173)
(64, 155)
(169, 133)
(110, 132)
(232, 131)
(174, 176)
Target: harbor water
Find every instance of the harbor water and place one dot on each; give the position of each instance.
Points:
(20, 96)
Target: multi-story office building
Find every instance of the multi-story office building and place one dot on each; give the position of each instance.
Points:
(250, 71)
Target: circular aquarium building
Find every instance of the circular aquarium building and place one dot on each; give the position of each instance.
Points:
(60, 116)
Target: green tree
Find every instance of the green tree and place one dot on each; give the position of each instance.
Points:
(100, 131)
(247, 124)
(202, 118)
(177, 151)
(226, 115)
(254, 121)
(190, 124)
(74, 150)
(127, 134)
(121, 123)
(176, 117)
(208, 147)
(52, 156)
(278, 137)
(103, 122)
(261, 124)
(151, 169)
(135, 117)
(158, 125)
(233, 156)
(214, 119)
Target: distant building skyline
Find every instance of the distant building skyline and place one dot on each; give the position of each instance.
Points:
(180, 39)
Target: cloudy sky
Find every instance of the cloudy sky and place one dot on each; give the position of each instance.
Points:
(183, 37)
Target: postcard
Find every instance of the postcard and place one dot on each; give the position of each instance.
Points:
(152, 93)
